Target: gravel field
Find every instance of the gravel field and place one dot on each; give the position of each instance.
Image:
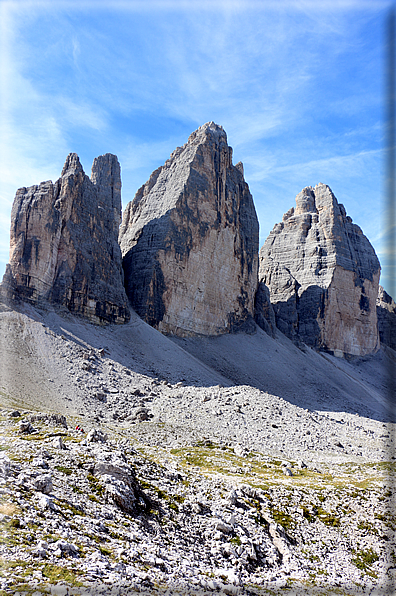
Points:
(234, 465)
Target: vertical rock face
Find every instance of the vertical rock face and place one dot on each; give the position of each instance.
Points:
(63, 245)
(189, 241)
(322, 274)
(386, 313)
(263, 310)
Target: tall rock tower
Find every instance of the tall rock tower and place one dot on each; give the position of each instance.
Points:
(189, 241)
(386, 314)
(64, 247)
(322, 274)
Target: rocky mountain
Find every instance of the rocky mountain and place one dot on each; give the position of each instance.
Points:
(132, 461)
(386, 314)
(63, 246)
(189, 241)
(130, 466)
(322, 274)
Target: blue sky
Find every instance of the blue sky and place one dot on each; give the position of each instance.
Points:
(297, 85)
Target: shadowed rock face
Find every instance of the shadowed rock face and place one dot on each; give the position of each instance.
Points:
(263, 310)
(63, 245)
(189, 241)
(386, 313)
(322, 274)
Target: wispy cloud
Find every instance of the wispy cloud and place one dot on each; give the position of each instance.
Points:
(295, 85)
(340, 166)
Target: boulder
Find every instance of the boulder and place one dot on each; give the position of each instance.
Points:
(42, 483)
(63, 243)
(5, 465)
(95, 435)
(189, 241)
(119, 481)
(386, 314)
(322, 274)
(50, 419)
(114, 464)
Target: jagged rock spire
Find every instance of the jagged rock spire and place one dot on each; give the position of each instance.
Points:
(63, 246)
(189, 241)
(322, 274)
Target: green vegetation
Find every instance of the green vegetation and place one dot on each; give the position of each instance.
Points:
(34, 437)
(56, 573)
(367, 527)
(95, 486)
(283, 519)
(364, 559)
(105, 551)
(21, 570)
(328, 518)
(307, 514)
(67, 471)
(66, 507)
(172, 500)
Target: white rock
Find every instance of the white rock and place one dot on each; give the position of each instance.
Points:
(233, 497)
(119, 492)
(45, 502)
(217, 536)
(40, 462)
(230, 589)
(240, 451)
(58, 443)
(212, 585)
(5, 464)
(59, 590)
(95, 435)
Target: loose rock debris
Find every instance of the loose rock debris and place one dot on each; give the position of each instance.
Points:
(124, 510)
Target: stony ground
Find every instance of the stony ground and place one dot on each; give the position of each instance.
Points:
(194, 486)
(148, 508)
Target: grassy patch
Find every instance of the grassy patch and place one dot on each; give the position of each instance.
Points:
(329, 519)
(307, 514)
(67, 507)
(283, 519)
(95, 485)
(67, 471)
(56, 573)
(105, 551)
(8, 508)
(8, 565)
(367, 527)
(172, 500)
(363, 559)
(34, 437)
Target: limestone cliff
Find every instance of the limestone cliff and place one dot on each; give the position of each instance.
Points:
(386, 314)
(322, 274)
(189, 241)
(264, 314)
(63, 245)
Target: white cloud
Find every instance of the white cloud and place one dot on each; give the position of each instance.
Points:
(340, 166)
(106, 75)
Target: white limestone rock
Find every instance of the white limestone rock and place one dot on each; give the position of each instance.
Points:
(322, 274)
(386, 314)
(189, 241)
(63, 242)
